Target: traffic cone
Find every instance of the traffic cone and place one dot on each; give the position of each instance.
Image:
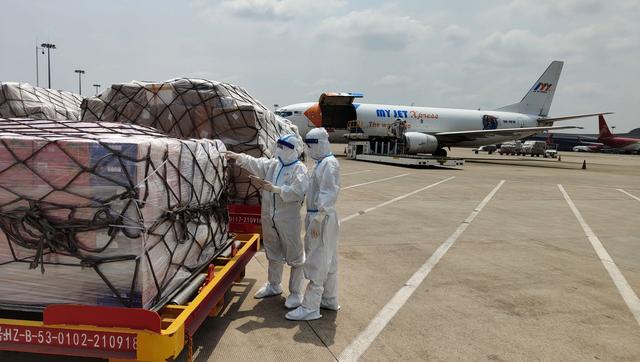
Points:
(584, 164)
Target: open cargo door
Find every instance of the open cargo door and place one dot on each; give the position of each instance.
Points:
(337, 109)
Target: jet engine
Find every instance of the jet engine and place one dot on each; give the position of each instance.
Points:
(416, 142)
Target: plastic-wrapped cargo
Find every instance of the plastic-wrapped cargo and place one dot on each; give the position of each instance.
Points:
(197, 108)
(105, 213)
(25, 100)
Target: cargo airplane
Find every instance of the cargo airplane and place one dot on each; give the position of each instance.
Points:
(431, 130)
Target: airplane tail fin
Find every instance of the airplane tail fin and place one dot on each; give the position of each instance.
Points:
(538, 100)
(604, 128)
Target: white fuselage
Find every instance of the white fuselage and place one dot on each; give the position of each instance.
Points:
(375, 119)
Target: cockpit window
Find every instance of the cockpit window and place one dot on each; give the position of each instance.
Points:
(284, 114)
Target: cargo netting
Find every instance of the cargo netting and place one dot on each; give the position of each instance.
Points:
(25, 100)
(197, 108)
(105, 213)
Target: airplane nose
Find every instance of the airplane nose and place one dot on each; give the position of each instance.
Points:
(314, 114)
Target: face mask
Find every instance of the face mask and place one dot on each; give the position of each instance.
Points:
(318, 149)
(286, 149)
(318, 143)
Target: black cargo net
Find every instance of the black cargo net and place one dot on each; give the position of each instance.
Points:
(106, 213)
(25, 100)
(197, 108)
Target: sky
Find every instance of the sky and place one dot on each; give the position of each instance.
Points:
(459, 54)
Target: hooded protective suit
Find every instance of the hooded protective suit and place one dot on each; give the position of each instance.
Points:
(322, 229)
(282, 196)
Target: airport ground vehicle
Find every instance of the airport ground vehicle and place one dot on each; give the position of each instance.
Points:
(389, 152)
(511, 148)
(488, 149)
(534, 148)
(133, 334)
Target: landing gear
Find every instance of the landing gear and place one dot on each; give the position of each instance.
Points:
(440, 152)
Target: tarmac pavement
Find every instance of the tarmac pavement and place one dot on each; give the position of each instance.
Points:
(520, 280)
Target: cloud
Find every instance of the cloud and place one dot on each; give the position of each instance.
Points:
(509, 48)
(546, 8)
(581, 89)
(374, 30)
(392, 80)
(278, 9)
(456, 35)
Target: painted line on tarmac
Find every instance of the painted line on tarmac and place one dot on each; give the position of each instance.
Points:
(347, 218)
(354, 173)
(628, 194)
(374, 181)
(362, 342)
(619, 280)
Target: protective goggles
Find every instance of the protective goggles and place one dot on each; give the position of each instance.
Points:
(310, 140)
(282, 143)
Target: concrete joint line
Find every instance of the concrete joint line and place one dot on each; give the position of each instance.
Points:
(375, 181)
(362, 342)
(354, 173)
(625, 290)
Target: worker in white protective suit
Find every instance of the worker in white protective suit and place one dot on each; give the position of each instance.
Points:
(322, 229)
(283, 180)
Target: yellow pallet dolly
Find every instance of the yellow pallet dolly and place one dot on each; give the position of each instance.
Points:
(127, 334)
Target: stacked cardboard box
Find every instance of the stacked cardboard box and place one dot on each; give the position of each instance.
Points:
(197, 108)
(105, 214)
(25, 100)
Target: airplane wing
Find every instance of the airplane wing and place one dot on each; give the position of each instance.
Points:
(564, 118)
(582, 141)
(459, 136)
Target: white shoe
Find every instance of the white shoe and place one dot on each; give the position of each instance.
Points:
(293, 301)
(268, 290)
(327, 306)
(303, 314)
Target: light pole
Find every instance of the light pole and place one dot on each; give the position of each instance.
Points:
(80, 73)
(49, 46)
(37, 66)
(97, 88)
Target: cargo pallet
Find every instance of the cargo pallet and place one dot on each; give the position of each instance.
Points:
(127, 334)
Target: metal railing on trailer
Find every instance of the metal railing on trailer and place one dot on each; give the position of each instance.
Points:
(127, 334)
